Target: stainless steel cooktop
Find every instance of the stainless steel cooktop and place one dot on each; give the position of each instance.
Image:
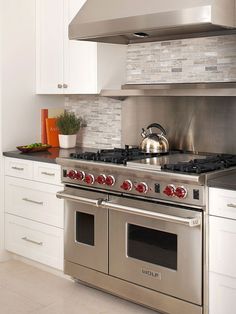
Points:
(155, 163)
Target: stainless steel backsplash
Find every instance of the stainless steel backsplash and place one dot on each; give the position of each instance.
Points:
(203, 124)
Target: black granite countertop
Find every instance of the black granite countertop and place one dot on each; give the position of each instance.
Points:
(227, 181)
(47, 156)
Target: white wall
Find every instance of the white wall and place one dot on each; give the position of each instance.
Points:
(21, 107)
(1, 168)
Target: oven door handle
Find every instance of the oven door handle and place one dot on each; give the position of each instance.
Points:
(190, 222)
(79, 199)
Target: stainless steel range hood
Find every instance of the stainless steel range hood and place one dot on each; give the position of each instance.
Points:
(219, 89)
(131, 21)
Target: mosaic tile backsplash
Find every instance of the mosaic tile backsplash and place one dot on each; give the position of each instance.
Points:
(209, 59)
(103, 119)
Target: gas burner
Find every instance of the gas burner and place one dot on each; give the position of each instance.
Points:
(203, 165)
(115, 155)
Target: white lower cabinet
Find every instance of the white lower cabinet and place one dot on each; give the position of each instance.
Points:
(34, 240)
(34, 217)
(34, 200)
(222, 246)
(222, 253)
(222, 294)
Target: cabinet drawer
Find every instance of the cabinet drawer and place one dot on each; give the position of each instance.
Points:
(222, 246)
(19, 168)
(34, 240)
(222, 294)
(222, 203)
(34, 200)
(48, 173)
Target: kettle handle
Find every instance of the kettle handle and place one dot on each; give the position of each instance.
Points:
(158, 126)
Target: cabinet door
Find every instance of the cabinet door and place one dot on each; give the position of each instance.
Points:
(49, 46)
(19, 168)
(222, 246)
(222, 203)
(34, 200)
(34, 240)
(80, 58)
(222, 294)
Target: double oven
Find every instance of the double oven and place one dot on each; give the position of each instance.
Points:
(141, 249)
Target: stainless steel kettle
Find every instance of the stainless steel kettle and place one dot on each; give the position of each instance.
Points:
(154, 142)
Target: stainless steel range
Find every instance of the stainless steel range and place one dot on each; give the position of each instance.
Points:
(135, 224)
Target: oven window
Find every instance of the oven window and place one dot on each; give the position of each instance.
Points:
(152, 246)
(85, 228)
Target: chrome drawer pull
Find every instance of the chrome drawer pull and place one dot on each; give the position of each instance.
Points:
(231, 205)
(190, 222)
(32, 241)
(17, 168)
(48, 173)
(31, 201)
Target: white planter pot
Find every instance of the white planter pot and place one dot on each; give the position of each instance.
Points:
(67, 141)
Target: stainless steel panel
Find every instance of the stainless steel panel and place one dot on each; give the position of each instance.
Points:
(95, 257)
(118, 21)
(149, 298)
(155, 163)
(184, 283)
(182, 89)
(199, 124)
(150, 177)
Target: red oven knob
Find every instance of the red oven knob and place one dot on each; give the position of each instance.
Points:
(169, 190)
(127, 185)
(80, 175)
(89, 179)
(71, 174)
(101, 179)
(110, 180)
(141, 187)
(181, 192)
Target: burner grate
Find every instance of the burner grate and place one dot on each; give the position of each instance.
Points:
(203, 165)
(115, 156)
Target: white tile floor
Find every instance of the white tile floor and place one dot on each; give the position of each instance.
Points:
(25, 289)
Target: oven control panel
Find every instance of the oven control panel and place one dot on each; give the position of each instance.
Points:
(138, 184)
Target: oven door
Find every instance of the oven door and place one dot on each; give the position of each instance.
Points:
(86, 229)
(156, 246)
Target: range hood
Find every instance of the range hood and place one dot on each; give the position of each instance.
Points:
(134, 21)
(219, 89)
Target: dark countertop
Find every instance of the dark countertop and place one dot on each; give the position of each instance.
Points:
(227, 181)
(47, 156)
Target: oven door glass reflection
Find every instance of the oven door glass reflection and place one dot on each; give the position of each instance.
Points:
(152, 246)
(85, 228)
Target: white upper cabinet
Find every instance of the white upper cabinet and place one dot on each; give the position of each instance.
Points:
(72, 67)
(49, 46)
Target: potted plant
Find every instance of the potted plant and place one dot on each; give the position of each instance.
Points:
(68, 125)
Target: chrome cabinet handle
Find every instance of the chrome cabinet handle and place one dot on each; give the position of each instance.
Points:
(48, 173)
(32, 201)
(59, 85)
(17, 168)
(32, 241)
(65, 86)
(79, 199)
(191, 222)
(231, 205)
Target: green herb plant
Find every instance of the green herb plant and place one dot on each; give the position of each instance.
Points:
(68, 123)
